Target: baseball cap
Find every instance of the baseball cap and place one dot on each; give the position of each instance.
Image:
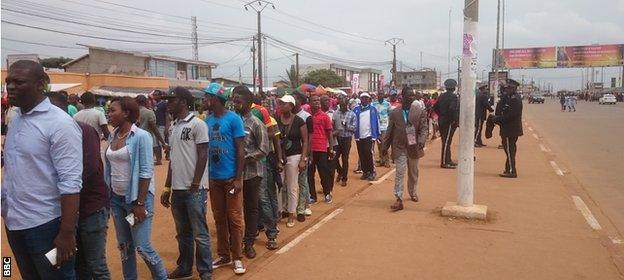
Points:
(288, 99)
(365, 94)
(217, 90)
(181, 93)
(450, 83)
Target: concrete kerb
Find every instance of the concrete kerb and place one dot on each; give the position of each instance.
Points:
(474, 212)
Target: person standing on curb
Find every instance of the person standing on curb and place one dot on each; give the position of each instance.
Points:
(42, 177)
(322, 151)
(510, 121)
(303, 207)
(366, 133)
(256, 150)
(447, 108)
(226, 153)
(407, 134)
(186, 186)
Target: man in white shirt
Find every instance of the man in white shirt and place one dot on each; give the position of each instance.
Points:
(186, 187)
(92, 116)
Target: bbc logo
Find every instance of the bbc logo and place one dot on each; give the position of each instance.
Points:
(6, 267)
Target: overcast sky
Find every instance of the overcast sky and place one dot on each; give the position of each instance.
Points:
(348, 29)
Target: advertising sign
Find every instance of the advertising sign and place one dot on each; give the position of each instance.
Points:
(355, 83)
(562, 57)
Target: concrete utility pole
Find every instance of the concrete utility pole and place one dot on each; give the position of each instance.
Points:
(253, 59)
(261, 5)
(465, 207)
(494, 89)
(421, 63)
(394, 42)
(296, 70)
(194, 38)
(448, 55)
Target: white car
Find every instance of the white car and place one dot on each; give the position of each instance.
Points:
(607, 99)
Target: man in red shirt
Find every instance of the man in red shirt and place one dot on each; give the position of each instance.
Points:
(321, 150)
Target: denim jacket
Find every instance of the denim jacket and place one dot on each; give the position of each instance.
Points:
(139, 144)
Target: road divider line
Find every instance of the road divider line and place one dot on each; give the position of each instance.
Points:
(543, 148)
(589, 217)
(309, 231)
(384, 177)
(556, 168)
(535, 136)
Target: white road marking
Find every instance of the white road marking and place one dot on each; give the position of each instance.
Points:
(616, 240)
(544, 149)
(535, 136)
(384, 177)
(556, 168)
(530, 128)
(589, 217)
(314, 228)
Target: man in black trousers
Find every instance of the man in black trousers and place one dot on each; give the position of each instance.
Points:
(447, 109)
(510, 122)
(482, 106)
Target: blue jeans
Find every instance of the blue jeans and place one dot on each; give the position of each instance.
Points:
(136, 239)
(91, 256)
(304, 192)
(267, 194)
(30, 246)
(189, 214)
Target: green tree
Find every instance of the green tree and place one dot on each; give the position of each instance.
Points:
(324, 77)
(55, 62)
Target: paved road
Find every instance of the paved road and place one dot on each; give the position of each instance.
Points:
(589, 143)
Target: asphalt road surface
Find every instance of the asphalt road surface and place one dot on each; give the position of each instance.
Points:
(589, 143)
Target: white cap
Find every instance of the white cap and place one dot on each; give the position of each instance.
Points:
(288, 99)
(365, 94)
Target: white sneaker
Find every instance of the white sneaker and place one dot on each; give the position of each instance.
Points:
(308, 212)
(239, 268)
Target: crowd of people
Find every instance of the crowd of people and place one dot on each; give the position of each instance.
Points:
(254, 159)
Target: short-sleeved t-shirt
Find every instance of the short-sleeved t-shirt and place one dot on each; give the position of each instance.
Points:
(261, 113)
(222, 132)
(292, 141)
(322, 125)
(305, 116)
(184, 136)
(93, 117)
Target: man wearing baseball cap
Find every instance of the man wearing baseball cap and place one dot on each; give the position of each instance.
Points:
(186, 186)
(226, 154)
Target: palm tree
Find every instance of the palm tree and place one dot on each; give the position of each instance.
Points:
(291, 76)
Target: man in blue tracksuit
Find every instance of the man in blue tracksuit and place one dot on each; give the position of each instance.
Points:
(366, 133)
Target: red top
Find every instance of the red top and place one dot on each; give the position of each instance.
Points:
(322, 127)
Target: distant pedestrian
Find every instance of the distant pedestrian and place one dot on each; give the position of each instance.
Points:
(570, 103)
(383, 110)
(366, 134)
(447, 108)
(92, 116)
(147, 122)
(162, 123)
(510, 121)
(344, 128)
(562, 101)
(407, 134)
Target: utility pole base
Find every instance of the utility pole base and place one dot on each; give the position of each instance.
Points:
(474, 212)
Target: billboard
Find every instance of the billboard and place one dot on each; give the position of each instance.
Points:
(561, 57)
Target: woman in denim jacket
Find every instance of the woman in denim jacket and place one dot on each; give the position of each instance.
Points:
(129, 172)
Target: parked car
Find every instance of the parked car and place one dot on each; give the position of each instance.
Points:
(536, 98)
(607, 99)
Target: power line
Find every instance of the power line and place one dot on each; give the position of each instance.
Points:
(41, 44)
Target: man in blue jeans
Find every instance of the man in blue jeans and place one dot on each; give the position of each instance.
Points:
(42, 177)
(188, 178)
(94, 203)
